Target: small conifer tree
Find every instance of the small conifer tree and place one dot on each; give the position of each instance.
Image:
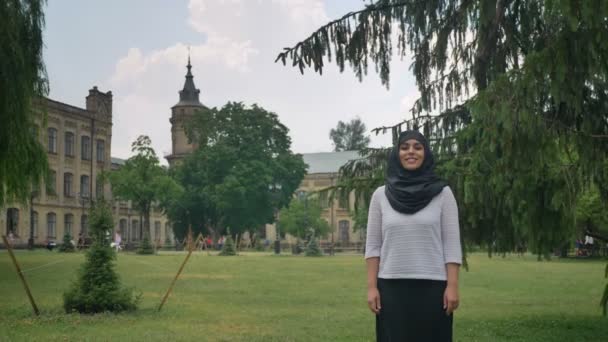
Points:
(145, 247)
(229, 247)
(67, 246)
(98, 288)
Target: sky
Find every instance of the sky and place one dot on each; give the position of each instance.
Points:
(138, 49)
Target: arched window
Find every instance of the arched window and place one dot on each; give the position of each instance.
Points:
(52, 140)
(69, 144)
(68, 222)
(51, 225)
(68, 178)
(344, 231)
(84, 225)
(12, 221)
(134, 230)
(156, 230)
(35, 223)
(122, 227)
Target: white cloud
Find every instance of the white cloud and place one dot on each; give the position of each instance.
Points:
(236, 63)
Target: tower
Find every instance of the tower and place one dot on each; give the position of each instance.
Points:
(181, 114)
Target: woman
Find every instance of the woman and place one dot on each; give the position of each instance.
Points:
(413, 251)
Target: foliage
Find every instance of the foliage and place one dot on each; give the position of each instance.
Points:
(241, 172)
(145, 247)
(360, 219)
(229, 247)
(511, 92)
(349, 136)
(67, 246)
(303, 217)
(590, 209)
(23, 161)
(97, 288)
(143, 181)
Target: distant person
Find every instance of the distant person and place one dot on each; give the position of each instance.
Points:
(413, 250)
(117, 241)
(50, 245)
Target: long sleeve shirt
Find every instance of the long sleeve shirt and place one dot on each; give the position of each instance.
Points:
(414, 246)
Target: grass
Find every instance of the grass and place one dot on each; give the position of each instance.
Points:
(261, 297)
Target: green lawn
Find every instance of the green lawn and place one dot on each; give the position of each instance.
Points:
(261, 297)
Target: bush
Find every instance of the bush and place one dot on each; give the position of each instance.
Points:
(97, 288)
(67, 246)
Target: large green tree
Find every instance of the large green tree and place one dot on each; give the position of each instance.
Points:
(23, 81)
(302, 219)
(512, 92)
(241, 172)
(144, 182)
(349, 136)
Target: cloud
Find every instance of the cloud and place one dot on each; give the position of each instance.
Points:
(236, 63)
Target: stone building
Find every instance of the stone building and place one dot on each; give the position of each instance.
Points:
(322, 172)
(78, 143)
(322, 167)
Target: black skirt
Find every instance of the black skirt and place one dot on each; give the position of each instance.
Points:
(412, 310)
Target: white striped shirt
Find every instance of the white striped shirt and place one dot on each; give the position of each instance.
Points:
(415, 246)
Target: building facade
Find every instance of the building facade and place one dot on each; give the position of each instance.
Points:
(322, 167)
(78, 143)
(322, 172)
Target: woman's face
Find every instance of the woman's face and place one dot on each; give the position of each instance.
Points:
(411, 154)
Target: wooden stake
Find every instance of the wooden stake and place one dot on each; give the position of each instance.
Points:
(27, 288)
(180, 269)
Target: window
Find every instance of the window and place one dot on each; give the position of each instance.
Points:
(35, 223)
(51, 225)
(134, 230)
(84, 186)
(85, 148)
(156, 230)
(12, 220)
(99, 189)
(51, 188)
(344, 227)
(68, 178)
(68, 223)
(84, 225)
(52, 140)
(167, 231)
(69, 144)
(122, 227)
(101, 155)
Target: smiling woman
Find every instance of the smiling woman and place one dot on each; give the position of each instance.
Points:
(413, 250)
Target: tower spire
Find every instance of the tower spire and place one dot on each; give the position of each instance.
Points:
(189, 95)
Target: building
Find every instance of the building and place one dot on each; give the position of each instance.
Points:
(322, 172)
(78, 143)
(181, 114)
(322, 167)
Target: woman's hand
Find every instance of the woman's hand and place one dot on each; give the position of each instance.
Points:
(450, 299)
(373, 300)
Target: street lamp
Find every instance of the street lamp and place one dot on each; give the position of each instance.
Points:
(275, 190)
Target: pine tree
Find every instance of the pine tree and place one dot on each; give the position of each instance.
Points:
(67, 245)
(313, 249)
(145, 247)
(98, 288)
(513, 93)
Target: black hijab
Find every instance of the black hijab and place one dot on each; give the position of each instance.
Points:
(410, 191)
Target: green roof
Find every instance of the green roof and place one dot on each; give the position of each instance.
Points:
(328, 162)
(323, 162)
